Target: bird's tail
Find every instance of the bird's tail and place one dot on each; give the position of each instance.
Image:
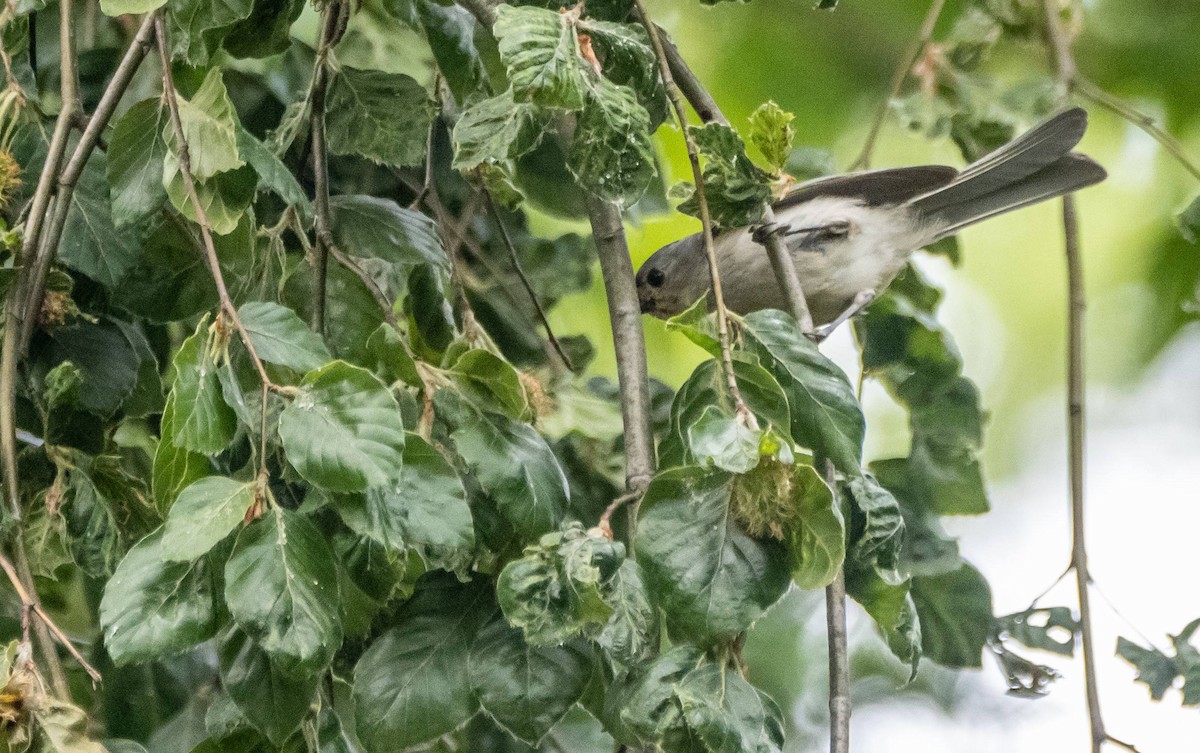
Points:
(1036, 166)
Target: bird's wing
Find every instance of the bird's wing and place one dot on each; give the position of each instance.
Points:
(874, 187)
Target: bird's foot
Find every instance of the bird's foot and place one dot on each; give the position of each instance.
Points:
(861, 301)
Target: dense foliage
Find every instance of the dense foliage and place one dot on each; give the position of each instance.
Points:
(293, 452)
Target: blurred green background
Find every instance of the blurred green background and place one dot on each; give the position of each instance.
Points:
(1005, 305)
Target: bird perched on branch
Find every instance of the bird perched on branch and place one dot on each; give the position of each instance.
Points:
(850, 235)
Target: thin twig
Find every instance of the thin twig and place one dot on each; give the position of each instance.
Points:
(911, 55)
(605, 523)
(88, 141)
(839, 651)
(210, 251)
(330, 19)
(1127, 111)
(516, 263)
(31, 603)
(743, 413)
(1064, 63)
(781, 260)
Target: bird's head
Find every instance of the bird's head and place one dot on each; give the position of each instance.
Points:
(673, 278)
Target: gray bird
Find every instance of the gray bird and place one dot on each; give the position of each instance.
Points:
(850, 235)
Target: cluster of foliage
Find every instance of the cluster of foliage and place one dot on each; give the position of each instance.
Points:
(357, 507)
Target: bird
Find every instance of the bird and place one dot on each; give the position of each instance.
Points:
(850, 235)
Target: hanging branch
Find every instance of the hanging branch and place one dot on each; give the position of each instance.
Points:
(516, 263)
(914, 52)
(210, 250)
(1064, 63)
(332, 28)
(714, 272)
(785, 273)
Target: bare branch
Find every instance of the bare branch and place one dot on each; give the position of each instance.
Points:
(330, 24)
(839, 650)
(863, 161)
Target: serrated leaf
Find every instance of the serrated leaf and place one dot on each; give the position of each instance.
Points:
(825, 414)
(611, 154)
(559, 588)
(955, 610)
(343, 432)
(526, 689)
(197, 28)
(512, 464)
(712, 580)
(203, 422)
(631, 634)
(772, 132)
(491, 383)
(381, 229)
(271, 699)
(209, 129)
(281, 587)
(135, 168)
(362, 116)
(204, 514)
(494, 130)
(413, 684)
(540, 50)
(91, 242)
(152, 606)
(280, 336)
(735, 189)
(424, 508)
(1155, 669)
(627, 58)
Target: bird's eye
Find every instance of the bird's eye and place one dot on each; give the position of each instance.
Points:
(656, 278)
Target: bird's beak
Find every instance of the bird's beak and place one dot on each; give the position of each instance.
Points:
(647, 305)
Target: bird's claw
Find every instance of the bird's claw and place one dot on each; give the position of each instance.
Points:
(761, 233)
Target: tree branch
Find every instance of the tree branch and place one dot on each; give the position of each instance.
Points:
(1064, 63)
(863, 161)
(743, 413)
(330, 23)
(785, 273)
(40, 267)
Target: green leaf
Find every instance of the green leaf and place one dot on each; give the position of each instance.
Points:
(204, 514)
(135, 169)
(526, 689)
(203, 421)
(63, 728)
(512, 464)
(818, 538)
(413, 684)
(224, 197)
(451, 34)
(376, 228)
(491, 383)
(772, 132)
(424, 508)
(174, 467)
(627, 58)
(723, 442)
(560, 587)
(1157, 670)
(343, 432)
(1189, 222)
(105, 358)
(272, 173)
(892, 608)
(271, 699)
(955, 610)
(116, 8)
(281, 587)
(611, 154)
(391, 355)
(927, 549)
(825, 414)
(152, 606)
(712, 580)
(495, 130)
(631, 635)
(197, 28)
(265, 32)
(880, 536)
(540, 50)
(361, 117)
(209, 128)
(735, 189)
(91, 242)
(1041, 628)
(279, 336)
(684, 701)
